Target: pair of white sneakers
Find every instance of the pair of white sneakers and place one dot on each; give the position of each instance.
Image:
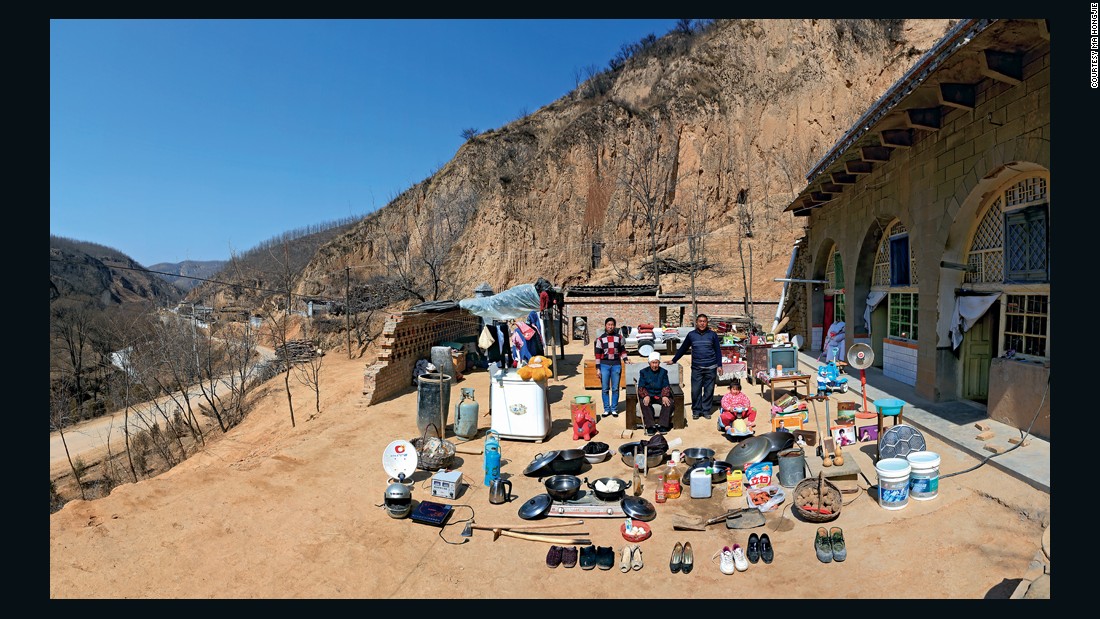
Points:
(733, 558)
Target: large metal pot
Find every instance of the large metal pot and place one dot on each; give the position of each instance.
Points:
(609, 496)
(626, 451)
(563, 487)
(568, 467)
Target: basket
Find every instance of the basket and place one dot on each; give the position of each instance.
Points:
(433, 453)
(638, 524)
(816, 486)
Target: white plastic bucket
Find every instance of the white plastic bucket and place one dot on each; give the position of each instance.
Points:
(893, 482)
(700, 483)
(924, 479)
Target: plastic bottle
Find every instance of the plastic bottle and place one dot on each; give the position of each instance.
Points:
(660, 495)
(672, 480)
(492, 457)
(735, 483)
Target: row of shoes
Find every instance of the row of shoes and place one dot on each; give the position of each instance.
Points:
(652, 430)
(829, 545)
(588, 557)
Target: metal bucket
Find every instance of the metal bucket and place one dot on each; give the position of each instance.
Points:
(433, 398)
(792, 467)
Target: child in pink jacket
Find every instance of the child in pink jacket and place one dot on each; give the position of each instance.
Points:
(735, 398)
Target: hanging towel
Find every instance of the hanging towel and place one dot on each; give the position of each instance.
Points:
(968, 310)
(485, 340)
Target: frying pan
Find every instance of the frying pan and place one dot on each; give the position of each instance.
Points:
(563, 487)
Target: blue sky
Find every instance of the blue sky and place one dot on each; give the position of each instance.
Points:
(176, 140)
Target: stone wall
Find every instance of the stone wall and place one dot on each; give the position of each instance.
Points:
(406, 338)
(1016, 390)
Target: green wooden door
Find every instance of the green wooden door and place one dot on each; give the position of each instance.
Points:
(977, 353)
(879, 320)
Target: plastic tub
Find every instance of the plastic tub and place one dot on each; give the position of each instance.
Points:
(888, 407)
(924, 478)
(893, 482)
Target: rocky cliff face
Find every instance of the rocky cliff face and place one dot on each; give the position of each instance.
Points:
(722, 129)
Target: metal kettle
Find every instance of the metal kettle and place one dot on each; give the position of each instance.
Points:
(500, 491)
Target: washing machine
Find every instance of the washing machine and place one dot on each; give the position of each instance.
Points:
(520, 409)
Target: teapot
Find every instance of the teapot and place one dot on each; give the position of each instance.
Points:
(500, 491)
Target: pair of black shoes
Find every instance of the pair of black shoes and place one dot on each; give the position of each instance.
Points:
(683, 558)
(652, 430)
(602, 557)
(760, 548)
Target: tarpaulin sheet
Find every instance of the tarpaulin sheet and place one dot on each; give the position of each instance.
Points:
(512, 304)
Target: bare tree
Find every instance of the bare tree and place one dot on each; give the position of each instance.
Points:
(418, 251)
(695, 213)
(61, 412)
(71, 326)
(280, 317)
(469, 133)
(649, 178)
(309, 372)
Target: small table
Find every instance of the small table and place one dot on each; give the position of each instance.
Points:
(794, 379)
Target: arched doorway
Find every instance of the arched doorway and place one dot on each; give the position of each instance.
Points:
(894, 296)
(1008, 267)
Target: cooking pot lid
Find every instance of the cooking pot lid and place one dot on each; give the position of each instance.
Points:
(779, 440)
(536, 507)
(749, 451)
(639, 508)
(540, 461)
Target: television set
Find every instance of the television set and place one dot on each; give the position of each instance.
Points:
(786, 356)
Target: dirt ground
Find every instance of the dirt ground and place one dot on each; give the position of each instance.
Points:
(271, 511)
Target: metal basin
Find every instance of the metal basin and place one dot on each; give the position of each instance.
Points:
(695, 454)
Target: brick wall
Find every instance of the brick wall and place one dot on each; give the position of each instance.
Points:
(637, 310)
(407, 338)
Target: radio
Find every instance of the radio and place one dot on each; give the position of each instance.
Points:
(445, 484)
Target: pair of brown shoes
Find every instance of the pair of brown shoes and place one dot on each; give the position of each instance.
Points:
(561, 555)
(683, 558)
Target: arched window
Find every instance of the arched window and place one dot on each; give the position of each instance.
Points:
(834, 272)
(896, 272)
(1010, 252)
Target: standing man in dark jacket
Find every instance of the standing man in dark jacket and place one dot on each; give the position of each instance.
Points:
(706, 356)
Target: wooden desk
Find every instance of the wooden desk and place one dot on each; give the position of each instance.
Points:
(793, 379)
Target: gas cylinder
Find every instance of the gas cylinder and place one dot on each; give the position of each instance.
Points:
(466, 412)
(492, 457)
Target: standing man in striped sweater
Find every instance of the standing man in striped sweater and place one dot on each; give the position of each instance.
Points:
(610, 352)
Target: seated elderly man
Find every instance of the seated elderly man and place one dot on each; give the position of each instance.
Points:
(652, 384)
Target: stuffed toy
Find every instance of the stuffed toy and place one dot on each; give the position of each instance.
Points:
(583, 424)
(538, 368)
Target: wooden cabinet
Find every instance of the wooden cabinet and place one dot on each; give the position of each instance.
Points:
(592, 375)
(757, 358)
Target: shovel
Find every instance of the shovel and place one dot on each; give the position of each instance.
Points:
(701, 525)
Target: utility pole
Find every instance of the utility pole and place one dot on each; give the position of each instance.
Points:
(347, 304)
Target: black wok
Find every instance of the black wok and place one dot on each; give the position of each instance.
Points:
(609, 496)
(563, 487)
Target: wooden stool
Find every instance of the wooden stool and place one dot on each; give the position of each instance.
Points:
(888, 408)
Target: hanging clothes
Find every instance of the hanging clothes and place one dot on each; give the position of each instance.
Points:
(968, 310)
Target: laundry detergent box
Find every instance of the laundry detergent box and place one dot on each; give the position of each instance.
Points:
(758, 475)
